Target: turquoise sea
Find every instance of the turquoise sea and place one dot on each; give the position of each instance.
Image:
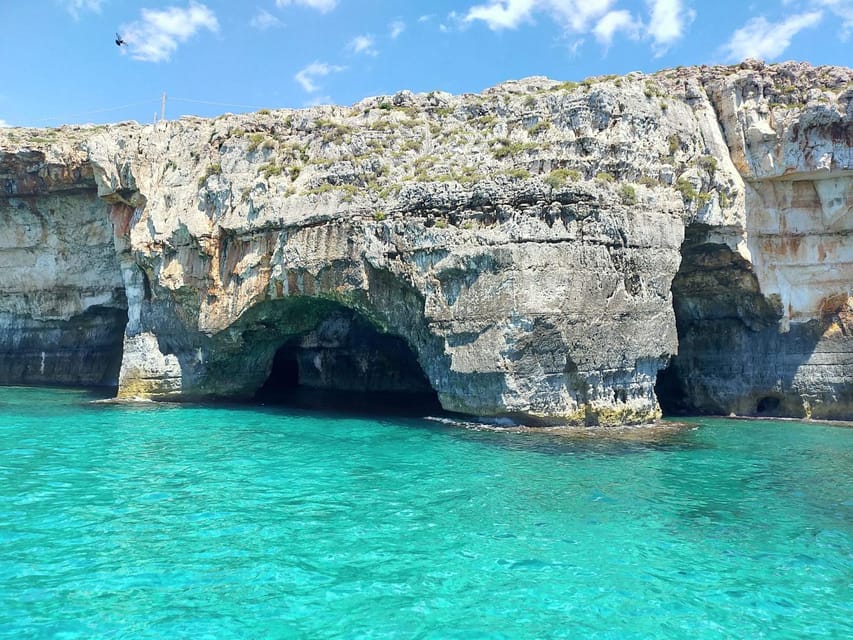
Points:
(161, 521)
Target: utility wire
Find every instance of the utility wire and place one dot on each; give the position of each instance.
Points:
(87, 113)
(65, 118)
(216, 104)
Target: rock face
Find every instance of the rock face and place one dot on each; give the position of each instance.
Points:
(62, 302)
(763, 306)
(519, 252)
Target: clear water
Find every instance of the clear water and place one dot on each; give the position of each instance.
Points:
(192, 522)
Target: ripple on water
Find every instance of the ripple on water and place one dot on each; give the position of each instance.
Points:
(123, 521)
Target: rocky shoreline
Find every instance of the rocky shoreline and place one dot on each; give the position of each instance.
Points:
(549, 252)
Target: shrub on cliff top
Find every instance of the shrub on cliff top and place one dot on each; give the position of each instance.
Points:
(674, 143)
(468, 175)
(332, 131)
(255, 141)
(518, 173)
(269, 169)
(381, 125)
(709, 164)
(539, 127)
(652, 90)
(350, 190)
(505, 148)
(566, 86)
(689, 193)
(213, 169)
(559, 177)
(686, 189)
(628, 194)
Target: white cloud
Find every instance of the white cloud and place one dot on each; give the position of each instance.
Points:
(577, 15)
(502, 14)
(76, 7)
(323, 6)
(264, 20)
(158, 34)
(396, 28)
(453, 21)
(365, 44)
(667, 19)
(843, 9)
(426, 17)
(759, 38)
(306, 77)
(573, 15)
(575, 47)
(667, 23)
(316, 101)
(614, 22)
(4, 124)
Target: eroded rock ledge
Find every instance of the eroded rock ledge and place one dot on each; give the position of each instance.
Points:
(514, 251)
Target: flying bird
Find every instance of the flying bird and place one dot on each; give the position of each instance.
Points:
(119, 41)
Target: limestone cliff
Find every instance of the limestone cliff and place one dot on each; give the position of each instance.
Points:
(763, 305)
(518, 251)
(62, 302)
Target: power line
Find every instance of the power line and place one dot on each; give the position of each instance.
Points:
(67, 117)
(88, 113)
(218, 104)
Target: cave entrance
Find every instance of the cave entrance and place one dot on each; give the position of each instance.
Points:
(768, 406)
(670, 392)
(283, 378)
(346, 364)
(726, 328)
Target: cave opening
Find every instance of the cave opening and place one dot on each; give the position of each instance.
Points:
(768, 406)
(725, 328)
(283, 377)
(345, 363)
(83, 351)
(670, 392)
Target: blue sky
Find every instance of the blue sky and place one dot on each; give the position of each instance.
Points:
(211, 56)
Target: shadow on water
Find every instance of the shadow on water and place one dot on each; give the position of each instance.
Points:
(358, 404)
(42, 399)
(423, 411)
(415, 411)
(579, 441)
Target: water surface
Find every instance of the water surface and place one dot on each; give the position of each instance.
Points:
(160, 521)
